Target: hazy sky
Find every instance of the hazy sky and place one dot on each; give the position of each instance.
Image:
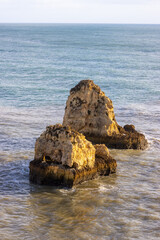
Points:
(80, 11)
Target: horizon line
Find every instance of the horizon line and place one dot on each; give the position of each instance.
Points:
(78, 23)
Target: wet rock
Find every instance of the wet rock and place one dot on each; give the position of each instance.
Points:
(104, 162)
(90, 112)
(64, 157)
(129, 128)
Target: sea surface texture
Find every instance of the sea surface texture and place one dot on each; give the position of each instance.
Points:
(39, 64)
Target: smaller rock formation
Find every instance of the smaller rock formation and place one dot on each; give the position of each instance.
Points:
(104, 161)
(64, 157)
(90, 112)
(64, 146)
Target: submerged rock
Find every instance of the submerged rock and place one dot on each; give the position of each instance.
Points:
(90, 112)
(64, 157)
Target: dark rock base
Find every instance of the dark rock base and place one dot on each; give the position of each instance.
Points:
(128, 138)
(58, 175)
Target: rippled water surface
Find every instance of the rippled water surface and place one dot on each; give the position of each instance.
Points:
(38, 66)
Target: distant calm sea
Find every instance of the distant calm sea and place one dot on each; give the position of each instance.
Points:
(38, 66)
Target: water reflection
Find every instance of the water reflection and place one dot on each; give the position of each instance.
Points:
(124, 205)
(74, 212)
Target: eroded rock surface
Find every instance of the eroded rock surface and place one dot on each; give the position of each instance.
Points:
(90, 112)
(65, 146)
(64, 157)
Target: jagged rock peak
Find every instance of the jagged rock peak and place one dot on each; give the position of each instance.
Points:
(86, 83)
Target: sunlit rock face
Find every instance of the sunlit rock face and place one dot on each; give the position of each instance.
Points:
(90, 112)
(65, 146)
(64, 157)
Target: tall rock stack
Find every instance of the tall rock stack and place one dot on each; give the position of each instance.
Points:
(90, 112)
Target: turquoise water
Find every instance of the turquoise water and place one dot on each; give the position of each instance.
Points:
(38, 66)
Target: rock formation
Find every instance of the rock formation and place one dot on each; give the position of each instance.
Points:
(90, 112)
(65, 146)
(64, 157)
(103, 160)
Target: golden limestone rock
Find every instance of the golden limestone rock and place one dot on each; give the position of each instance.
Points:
(90, 112)
(64, 157)
(64, 146)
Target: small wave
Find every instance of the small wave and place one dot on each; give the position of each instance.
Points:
(103, 188)
(156, 143)
(153, 142)
(66, 191)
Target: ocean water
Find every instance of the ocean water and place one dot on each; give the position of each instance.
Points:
(38, 66)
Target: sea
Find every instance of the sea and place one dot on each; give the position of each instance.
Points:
(39, 64)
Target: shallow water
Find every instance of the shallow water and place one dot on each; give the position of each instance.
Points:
(39, 64)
